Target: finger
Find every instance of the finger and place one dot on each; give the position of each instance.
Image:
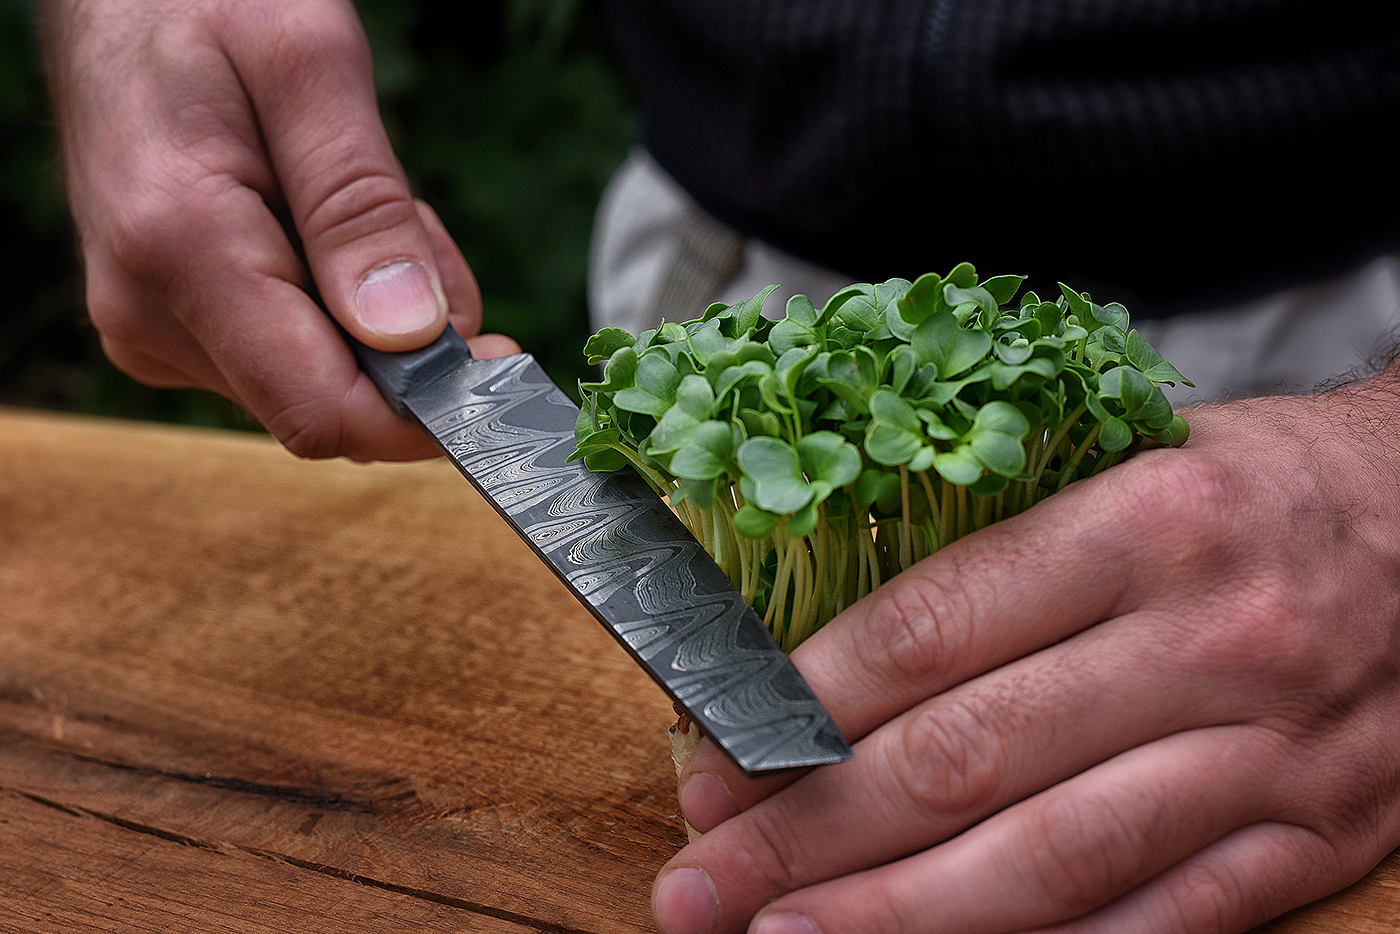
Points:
(980, 746)
(369, 253)
(158, 373)
(962, 755)
(1062, 853)
(964, 610)
(486, 346)
(458, 282)
(463, 293)
(279, 353)
(1250, 876)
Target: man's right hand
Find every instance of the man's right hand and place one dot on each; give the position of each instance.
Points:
(226, 163)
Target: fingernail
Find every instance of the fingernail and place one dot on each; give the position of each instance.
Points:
(706, 801)
(685, 902)
(399, 298)
(786, 923)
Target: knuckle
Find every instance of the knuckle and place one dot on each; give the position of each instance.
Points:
(305, 46)
(770, 853)
(115, 320)
(1270, 634)
(1183, 494)
(357, 202)
(916, 627)
(1080, 852)
(1206, 898)
(140, 236)
(308, 429)
(948, 763)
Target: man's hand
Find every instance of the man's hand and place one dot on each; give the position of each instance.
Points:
(225, 163)
(1166, 699)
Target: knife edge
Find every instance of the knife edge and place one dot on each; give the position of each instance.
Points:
(618, 547)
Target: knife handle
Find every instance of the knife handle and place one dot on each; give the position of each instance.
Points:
(398, 375)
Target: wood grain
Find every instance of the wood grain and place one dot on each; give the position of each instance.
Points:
(356, 672)
(241, 692)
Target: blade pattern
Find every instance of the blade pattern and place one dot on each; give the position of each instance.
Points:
(621, 549)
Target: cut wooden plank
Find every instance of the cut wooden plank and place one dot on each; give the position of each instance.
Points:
(355, 668)
(1371, 906)
(64, 871)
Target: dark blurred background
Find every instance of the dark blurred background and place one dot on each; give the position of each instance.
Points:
(509, 116)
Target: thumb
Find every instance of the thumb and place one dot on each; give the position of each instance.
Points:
(365, 243)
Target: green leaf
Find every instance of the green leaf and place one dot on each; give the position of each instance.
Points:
(607, 342)
(1050, 316)
(1002, 417)
(620, 373)
(792, 332)
(888, 407)
(936, 428)
(951, 349)
(1080, 307)
(891, 446)
(605, 460)
(749, 312)
(791, 366)
(903, 362)
(877, 488)
(1176, 433)
(1112, 313)
(1115, 435)
(1150, 362)
(975, 295)
(828, 457)
(800, 310)
(852, 375)
(695, 403)
(963, 275)
(959, 466)
(775, 470)
(752, 522)
(727, 379)
(655, 389)
(859, 313)
(1003, 288)
(762, 424)
(1000, 453)
(1014, 353)
(707, 453)
(923, 297)
(1106, 345)
(895, 434)
(706, 341)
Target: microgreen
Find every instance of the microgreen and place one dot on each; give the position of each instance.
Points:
(818, 455)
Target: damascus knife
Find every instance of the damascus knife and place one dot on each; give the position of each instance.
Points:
(617, 546)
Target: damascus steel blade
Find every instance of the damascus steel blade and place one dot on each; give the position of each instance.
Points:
(630, 560)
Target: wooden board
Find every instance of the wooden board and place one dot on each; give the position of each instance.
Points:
(241, 692)
(212, 653)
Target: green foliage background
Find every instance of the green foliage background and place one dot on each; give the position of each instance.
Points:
(509, 116)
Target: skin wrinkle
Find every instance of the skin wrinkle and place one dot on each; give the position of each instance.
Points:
(946, 768)
(777, 861)
(1079, 842)
(1169, 817)
(357, 209)
(908, 633)
(299, 56)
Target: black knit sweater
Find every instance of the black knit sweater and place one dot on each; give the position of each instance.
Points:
(1163, 152)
